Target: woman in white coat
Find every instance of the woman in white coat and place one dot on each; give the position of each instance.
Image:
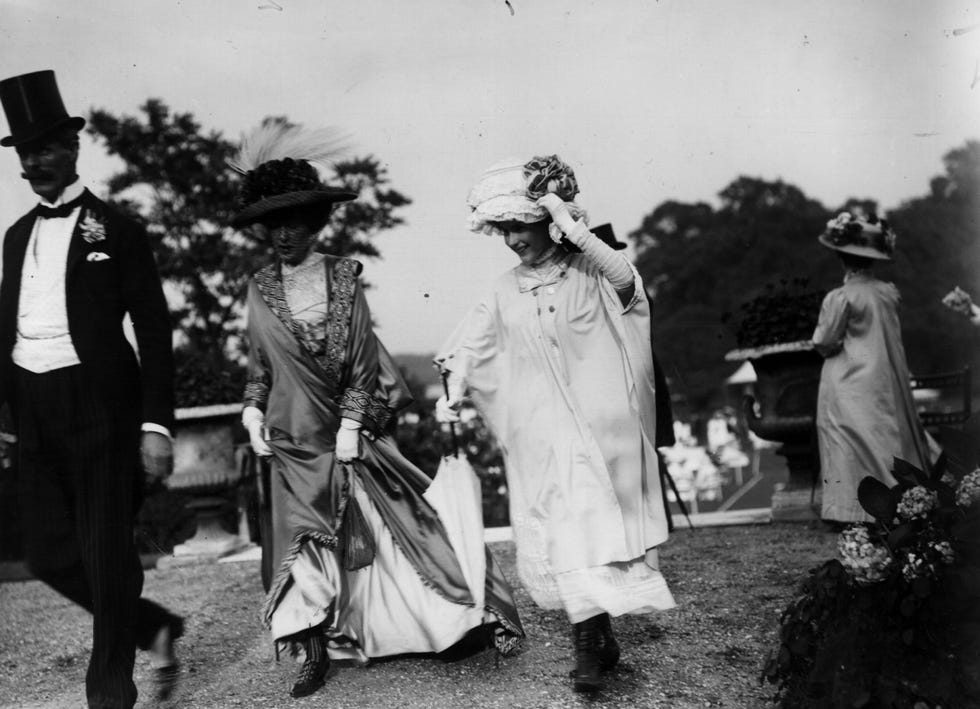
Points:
(557, 359)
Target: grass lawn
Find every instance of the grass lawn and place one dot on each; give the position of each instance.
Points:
(730, 584)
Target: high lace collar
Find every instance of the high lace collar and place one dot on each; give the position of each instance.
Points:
(548, 270)
(314, 259)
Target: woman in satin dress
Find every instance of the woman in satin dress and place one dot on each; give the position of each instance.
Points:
(364, 566)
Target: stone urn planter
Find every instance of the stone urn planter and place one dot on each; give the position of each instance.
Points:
(206, 464)
(783, 409)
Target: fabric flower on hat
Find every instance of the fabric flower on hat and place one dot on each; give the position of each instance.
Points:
(548, 174)
(843, 229)
(509, 190)
(866, 236)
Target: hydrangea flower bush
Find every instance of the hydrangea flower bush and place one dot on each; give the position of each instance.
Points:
(895, 621)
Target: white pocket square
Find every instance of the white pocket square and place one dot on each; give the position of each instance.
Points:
(97, 256)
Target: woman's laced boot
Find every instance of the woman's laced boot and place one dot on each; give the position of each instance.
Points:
(313, 674)
(608, 647)
(586, 638)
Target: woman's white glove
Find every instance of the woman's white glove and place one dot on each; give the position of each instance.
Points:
(348, 440)
(254, 421)
(447, 407)
(561, 215)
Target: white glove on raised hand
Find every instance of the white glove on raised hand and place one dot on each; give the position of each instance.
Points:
(254, 421)
(561, 215)
(348, 440)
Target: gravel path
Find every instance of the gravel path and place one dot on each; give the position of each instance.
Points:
(730, 585)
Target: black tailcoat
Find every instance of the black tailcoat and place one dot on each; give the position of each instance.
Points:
(79, 429)
(98, 294)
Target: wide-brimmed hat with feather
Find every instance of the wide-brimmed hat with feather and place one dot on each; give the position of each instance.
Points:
(277, 163)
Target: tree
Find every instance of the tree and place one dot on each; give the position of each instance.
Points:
(701, 262)
(176, 179)
(938, 248)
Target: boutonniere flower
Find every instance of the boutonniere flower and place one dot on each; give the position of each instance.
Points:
(92, 228)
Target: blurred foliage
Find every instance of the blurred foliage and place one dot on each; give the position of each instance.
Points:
(204, 379)
(175, 178)
(699, 262)
(784, 312)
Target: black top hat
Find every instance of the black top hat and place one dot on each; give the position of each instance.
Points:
(34, 107)
(605, 232)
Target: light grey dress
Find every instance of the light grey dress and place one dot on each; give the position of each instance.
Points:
(866, 416)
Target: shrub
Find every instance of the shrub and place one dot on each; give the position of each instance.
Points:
(786, 311)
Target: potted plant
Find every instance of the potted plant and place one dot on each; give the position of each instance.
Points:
(207, 460)
(773, 332)
(894, 621)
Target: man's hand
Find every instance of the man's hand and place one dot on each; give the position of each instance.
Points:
(8, 442)
(157, 452)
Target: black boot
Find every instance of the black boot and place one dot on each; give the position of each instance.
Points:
(313, 674)
(608, 647)
(586, 637)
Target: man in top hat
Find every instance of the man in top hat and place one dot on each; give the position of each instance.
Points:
(85, 409)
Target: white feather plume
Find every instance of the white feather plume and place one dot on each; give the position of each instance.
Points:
(275, 140)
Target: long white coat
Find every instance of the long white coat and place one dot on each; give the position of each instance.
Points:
(563, 373)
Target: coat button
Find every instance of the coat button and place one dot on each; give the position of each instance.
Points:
(551, 308)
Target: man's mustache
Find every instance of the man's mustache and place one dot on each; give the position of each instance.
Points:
(40, 175)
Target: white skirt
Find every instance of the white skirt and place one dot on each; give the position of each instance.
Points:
(616, 588)
(382, 609)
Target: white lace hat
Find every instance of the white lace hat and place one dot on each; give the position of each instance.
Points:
(508, 191)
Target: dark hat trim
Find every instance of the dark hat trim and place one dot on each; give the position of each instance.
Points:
(608, 236)
(254, 212)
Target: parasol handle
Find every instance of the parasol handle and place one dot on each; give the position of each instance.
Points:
(452, 426)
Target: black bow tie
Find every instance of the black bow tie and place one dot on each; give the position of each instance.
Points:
(59, 212)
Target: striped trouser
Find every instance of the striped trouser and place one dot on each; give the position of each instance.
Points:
(80, 483)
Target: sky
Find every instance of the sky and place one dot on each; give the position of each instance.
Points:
(648, 100)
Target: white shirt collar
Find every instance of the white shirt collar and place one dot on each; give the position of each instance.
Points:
(72, 191)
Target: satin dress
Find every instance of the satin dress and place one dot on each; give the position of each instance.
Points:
(358, 549)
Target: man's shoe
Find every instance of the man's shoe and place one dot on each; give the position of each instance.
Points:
(166, 680)
(166, 673)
